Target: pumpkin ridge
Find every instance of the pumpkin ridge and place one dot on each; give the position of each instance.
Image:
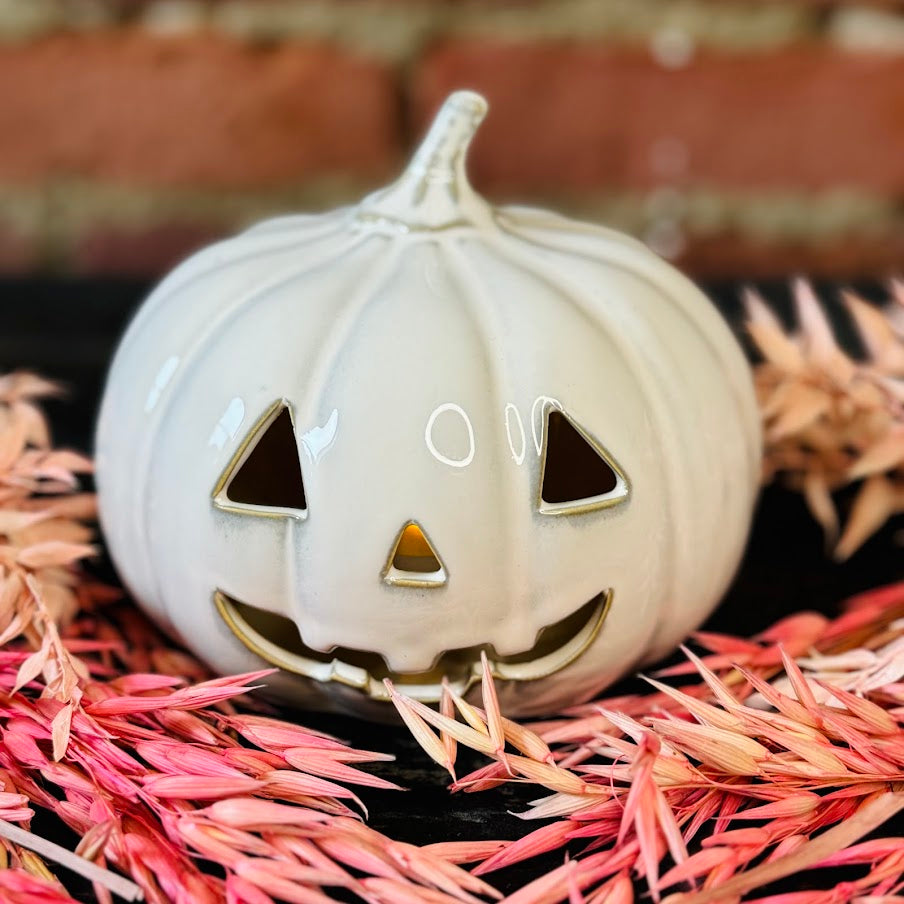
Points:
(144, 456)
(732, 365)
(481, 309)
(648, 370)
(168, 289)
(562, 285)
(366, 293)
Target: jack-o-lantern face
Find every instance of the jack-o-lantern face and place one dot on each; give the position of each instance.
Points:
(381, 441)
(264, 478)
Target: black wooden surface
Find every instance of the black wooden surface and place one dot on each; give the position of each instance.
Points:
(68, 330)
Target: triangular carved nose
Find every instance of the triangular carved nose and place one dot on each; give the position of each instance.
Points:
(413, 561)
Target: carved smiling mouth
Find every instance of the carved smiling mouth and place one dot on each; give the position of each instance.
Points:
(277, 639)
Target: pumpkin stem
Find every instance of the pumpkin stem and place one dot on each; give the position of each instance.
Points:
(441, 155)
(434, 192)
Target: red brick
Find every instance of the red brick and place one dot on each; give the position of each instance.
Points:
(140, 251)
(574, 117)
(733, 257)
(200, 110)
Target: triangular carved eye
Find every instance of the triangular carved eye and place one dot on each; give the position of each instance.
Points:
(265, 476)
(577, 473)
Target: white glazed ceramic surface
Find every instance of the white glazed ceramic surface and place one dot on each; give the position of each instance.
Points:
(420, 342)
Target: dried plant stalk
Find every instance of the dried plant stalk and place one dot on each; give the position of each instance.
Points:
(779, 755)
(144, 755)
(831, 420)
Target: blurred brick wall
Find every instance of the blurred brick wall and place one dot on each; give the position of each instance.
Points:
(739, 137)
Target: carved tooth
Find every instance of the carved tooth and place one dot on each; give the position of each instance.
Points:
(426, 693)
(345, 673)
(515, 643)
(406, 662)
(376, 690)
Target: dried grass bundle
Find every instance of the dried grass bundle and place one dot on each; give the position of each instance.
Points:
(779, 756)
(831, 420)
(137, 749)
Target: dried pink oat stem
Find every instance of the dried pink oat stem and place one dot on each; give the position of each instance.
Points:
(778, 756)
(145, 756)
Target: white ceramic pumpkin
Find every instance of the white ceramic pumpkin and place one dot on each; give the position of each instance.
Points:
(376, 441)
